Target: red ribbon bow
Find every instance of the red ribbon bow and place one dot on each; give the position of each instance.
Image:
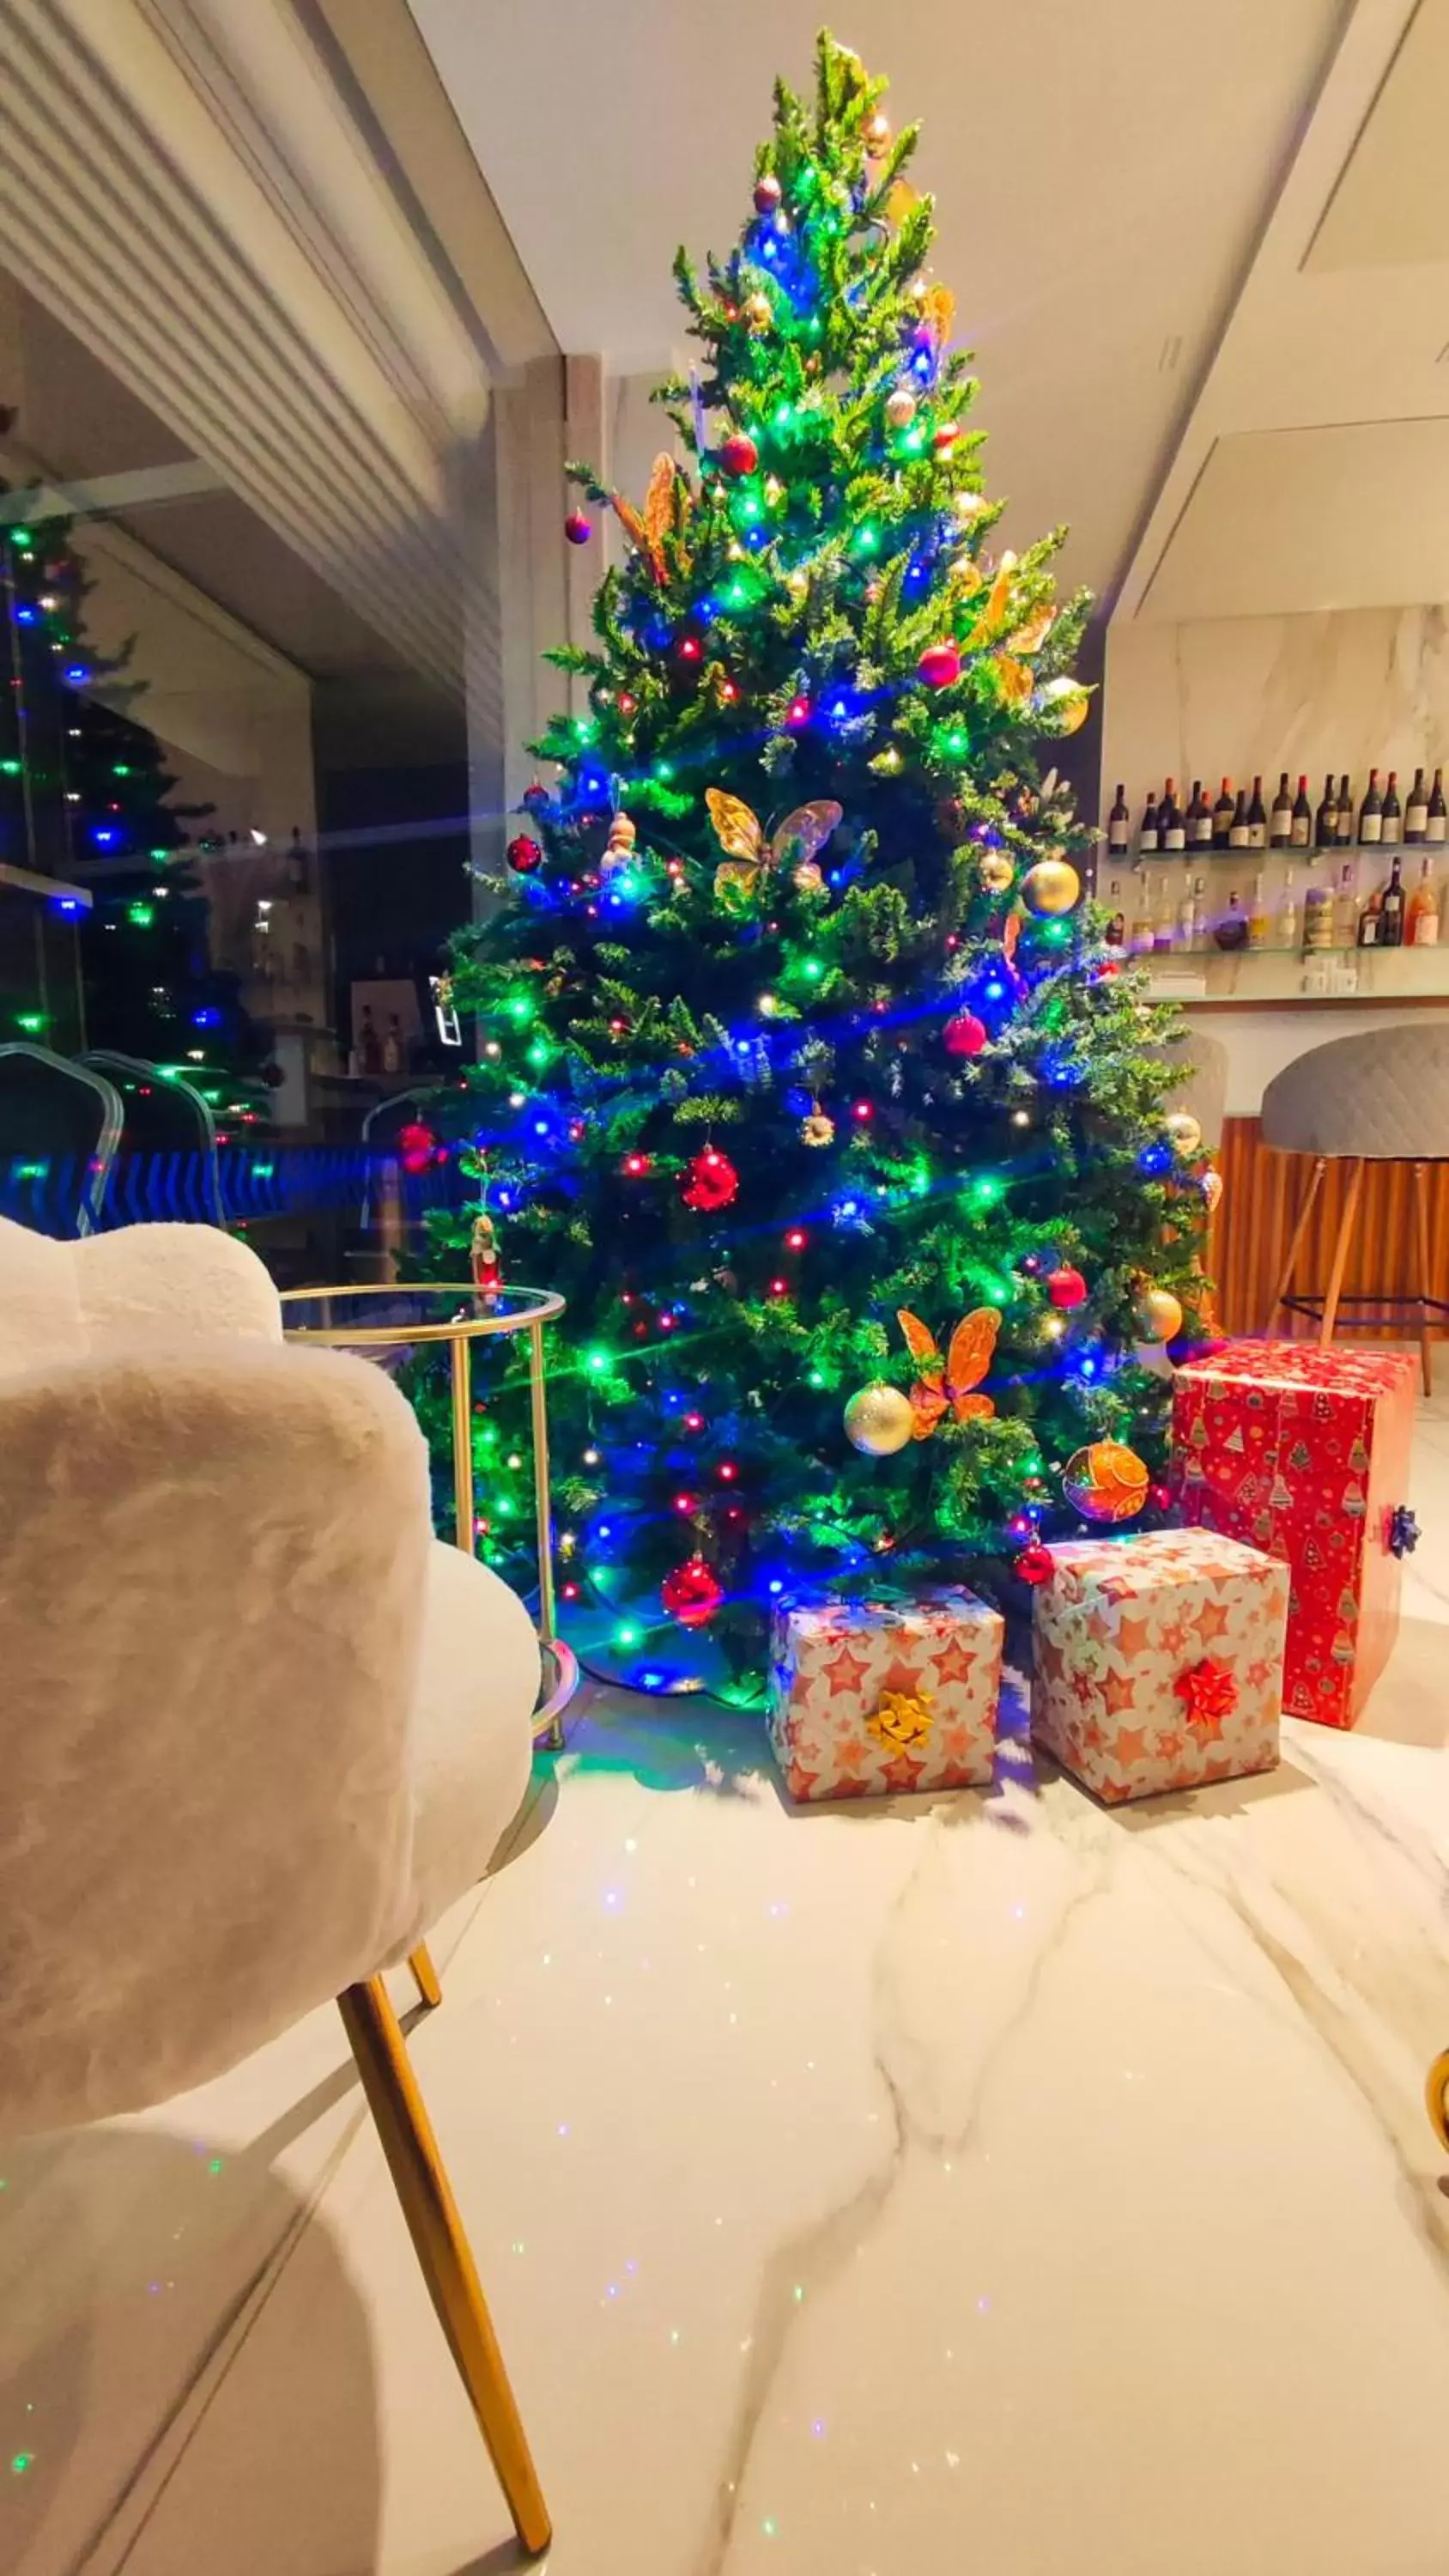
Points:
(1210, 1690)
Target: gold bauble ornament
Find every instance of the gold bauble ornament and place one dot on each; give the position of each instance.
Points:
(1158, 1315)
(995, 872)
(1052, 886)
(758, 311)
(900, 409)
(1185, 1132)
(879, 1420)
(1063, 703)
(1212, 1186)
(1105, 1482)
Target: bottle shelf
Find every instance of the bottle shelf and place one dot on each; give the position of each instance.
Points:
(1257, 977)
(1129, 862)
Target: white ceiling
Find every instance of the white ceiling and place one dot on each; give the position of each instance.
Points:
(1104, 171)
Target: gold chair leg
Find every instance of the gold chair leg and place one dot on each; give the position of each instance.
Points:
(442, 2249)
(1290, 1264)
(1426, 1276)
(1436, 2097)
(425, 1976)
(1347, 1224)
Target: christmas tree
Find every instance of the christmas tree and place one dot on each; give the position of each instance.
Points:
(85, 797)
(806, 1074)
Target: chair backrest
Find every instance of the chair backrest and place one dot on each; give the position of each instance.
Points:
(168, 1164)
(213, 1556)
(60, 1124)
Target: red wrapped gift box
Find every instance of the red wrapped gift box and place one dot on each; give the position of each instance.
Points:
(1305, 1452)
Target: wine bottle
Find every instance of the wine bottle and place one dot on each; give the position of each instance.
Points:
(1300, 829)
(1325, 825)
(1164, 919)
(1391, 919)
(1238, 828)
(1393, 818)
(1317, 914)
(1257, 819)
(1139, 935)
(1416, 812)
(1232, 930)
(1370, 919)
(1119, 827)
(1260, 920)
(1345, 911)
(1437, 828)
(1173, 828)
(1288, 914)
(1190, 914)
(1199, 819)
(1371, 815)
(1115, 931)
(1282, 827)
(1222, 820)
(1422, 927)
(1150, 836)
(1345, 812)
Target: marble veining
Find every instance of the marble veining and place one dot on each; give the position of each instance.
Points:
(975, 2182)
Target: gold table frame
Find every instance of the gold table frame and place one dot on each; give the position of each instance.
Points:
(460, 1332)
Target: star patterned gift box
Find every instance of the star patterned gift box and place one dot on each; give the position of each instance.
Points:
(871, 1697)
(1158, 1661)
(1305, 1452)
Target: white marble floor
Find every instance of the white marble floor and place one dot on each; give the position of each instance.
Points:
(989, 2184)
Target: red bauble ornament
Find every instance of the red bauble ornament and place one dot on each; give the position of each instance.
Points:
(1034, 1563)
(940, 664)
(738, 453)
(944, 438)
(1066, 1287)
(965, 1034)
(768, 193)
(690, 1594)
(710, 1181)
(524, 855)
(417, 1147)
(578, 528)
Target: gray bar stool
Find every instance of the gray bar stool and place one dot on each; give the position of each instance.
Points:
(1379, 1098)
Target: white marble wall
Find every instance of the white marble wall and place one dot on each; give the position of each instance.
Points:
(1341, 689)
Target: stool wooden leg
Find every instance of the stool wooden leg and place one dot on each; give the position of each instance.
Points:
(1346, 1226)
(1426, 1276)
(425, 1975)
(442, 2249)
(1296, 1245)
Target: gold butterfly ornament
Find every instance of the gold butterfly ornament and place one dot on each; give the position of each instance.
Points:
(947, 1386)
(751, 854)
(646, 529)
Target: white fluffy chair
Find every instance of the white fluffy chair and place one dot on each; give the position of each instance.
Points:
(259, 1728)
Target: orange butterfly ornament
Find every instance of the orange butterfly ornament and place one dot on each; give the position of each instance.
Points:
(793, 843)
(946, 1386)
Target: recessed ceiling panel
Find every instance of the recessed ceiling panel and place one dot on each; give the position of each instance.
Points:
(1283, 520)
(1391, 206)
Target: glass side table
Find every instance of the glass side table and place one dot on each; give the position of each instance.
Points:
(376, 1320)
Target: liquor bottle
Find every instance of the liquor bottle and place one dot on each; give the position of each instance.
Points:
(1232, 930)
(1345, 910)
(1371, 815)
(1325, 824)
(1391, 919)
(1317, 913)
(1260, 920)
(1257, 819)
(1300, 829)
(1115, 931)
(1282, 829)
(1416, 812)
(1222, 823)
(1288, 915)
(1119, 827)
(1190, 914)
(1199, 819)
(1392, 831)
(1164, 919)
(1370, 919)
(1139, 935)
(1173, 828)
(1150, 837)
(1422, 927)
(1345, 812)
(1438, 824)
(1238, 828)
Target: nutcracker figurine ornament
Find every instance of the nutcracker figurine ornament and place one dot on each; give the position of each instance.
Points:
(487, 1271)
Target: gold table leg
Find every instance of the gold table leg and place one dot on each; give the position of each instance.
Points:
(425, 1976)
(543, 1512)
(1436, 2097)
(444, 2254)
(462, 1373)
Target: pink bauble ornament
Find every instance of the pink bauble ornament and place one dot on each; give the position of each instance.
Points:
(965, 1035)
(578, 528)
(940, 664)
(768, 193)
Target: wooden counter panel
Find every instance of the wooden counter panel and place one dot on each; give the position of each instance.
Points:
(1262, 1193)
